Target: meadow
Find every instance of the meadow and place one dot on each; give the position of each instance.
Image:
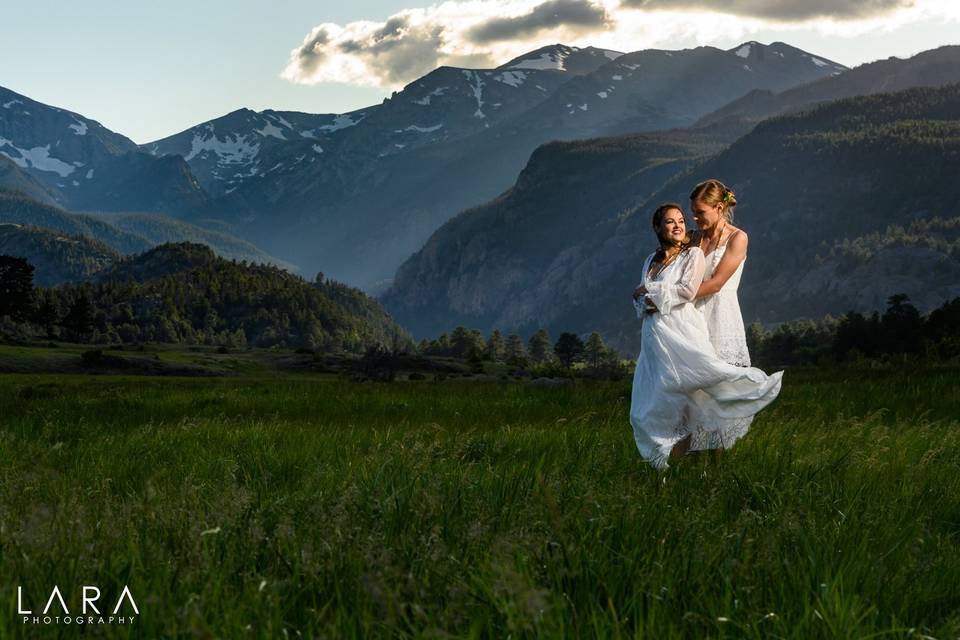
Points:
(268, 505)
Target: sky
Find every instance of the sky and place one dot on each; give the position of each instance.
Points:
(149, 70)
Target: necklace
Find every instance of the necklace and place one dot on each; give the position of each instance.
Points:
(716, 243)
(666, 262)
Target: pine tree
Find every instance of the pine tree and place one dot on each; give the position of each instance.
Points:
(47, 317)
(460, 341)
(477, 345)
(16, 287)
(514, 349)
(539, 346)
(756, 335)
(79, 318)
(569, 349)
(594, 350)
(495, 349)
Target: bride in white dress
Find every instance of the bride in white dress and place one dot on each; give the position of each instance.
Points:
(725, 250)
(680, 384)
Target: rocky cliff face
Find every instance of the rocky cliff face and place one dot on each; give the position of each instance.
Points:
(536, 254)
(816, 189)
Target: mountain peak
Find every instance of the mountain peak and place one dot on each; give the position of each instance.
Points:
(561, 57)
(754, 50)
(548, 57)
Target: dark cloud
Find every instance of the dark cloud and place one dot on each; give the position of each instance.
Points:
(550, 14)
(398, 50)
(782, 10)
(310, 55)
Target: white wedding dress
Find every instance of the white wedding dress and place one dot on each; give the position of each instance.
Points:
(680, 384)
(721, 311)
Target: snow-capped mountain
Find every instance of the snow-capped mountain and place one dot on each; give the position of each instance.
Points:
(932, 68)
(84, 165)
(654, 89)
(246, 147)
(561, 57)
(354, 194)
(243, 145)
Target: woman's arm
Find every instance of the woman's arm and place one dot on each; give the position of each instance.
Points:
(640, 288)
(734, 254)
(668, 295)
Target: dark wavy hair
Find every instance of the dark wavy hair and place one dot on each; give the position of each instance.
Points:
(691, 239)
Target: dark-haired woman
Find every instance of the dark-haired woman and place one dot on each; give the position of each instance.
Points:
(680, 384)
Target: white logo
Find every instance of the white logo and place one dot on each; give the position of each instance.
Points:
(60, 613)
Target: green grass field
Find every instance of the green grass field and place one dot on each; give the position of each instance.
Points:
(295, 506)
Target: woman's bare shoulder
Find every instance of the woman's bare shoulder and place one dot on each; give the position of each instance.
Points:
(738, 238)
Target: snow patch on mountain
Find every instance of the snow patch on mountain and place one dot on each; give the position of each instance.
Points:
(477, 87)
(281, 120)
(271, 129)
(231, 150)
(38, 158)
(512, 78)
(414, 127)
(341, 121)
(818, 61)
(744, 51)
(7, 105)
(425, 100)
(80, 128)
(547, 60)
(318, 148)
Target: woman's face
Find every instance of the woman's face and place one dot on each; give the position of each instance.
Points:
(706, 216)
(673, 227)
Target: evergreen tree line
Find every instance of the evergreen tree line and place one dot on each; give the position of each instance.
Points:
(538, 350)
(218, 302)
(898, 331)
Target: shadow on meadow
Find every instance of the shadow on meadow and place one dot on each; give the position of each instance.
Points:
(310, 507)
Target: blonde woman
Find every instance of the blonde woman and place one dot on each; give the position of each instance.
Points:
(725, 250)
(680, 385)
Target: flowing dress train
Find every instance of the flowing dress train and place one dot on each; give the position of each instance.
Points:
(680, 381)
(721, 311)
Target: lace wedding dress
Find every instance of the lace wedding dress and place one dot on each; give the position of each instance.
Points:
(680, 384)
(725, 324)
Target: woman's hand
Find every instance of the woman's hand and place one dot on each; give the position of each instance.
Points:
(639, 291)
(650, 307)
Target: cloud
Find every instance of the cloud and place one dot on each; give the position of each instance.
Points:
(310, 55)
(484, 33)
(549, 15)
(400, 49)
(782, 10)
(412, 42)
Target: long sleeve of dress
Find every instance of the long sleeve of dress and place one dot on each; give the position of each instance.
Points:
(671, 293)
